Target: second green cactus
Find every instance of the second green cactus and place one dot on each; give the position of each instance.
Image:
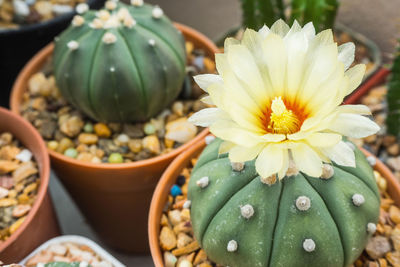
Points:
(299, 221)
(123, 63)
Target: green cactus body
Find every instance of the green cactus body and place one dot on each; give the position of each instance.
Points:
(123, 64)
(283, 231)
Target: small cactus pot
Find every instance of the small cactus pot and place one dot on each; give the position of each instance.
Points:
(41, 222)
(14, 52)
(97, 188)
(169, 178)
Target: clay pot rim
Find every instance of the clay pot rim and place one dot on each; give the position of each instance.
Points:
(44, 171)
(158, 202)
(20, 85)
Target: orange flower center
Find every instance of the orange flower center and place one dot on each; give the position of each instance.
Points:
(282, 119)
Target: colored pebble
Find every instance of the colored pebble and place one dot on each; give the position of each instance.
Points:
(149, 129)
(88, 128)
(115, 158)
(176, 190)
(102, 130)
(71, 153)
(181, 180)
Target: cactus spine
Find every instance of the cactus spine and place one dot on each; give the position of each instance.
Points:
(299, 221)
(122, 63)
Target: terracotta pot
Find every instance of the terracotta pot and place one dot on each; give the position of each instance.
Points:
(376, 79)
(41, 222)
(115, 198)
(14, 51)
(175, 168)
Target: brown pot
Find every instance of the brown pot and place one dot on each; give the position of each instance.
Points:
(114, 198)
(41, 222)
(169, 177)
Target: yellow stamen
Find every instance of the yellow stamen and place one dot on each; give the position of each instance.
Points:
(282, 120)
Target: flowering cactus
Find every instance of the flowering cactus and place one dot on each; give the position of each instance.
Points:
(122, 63)
(279, 187)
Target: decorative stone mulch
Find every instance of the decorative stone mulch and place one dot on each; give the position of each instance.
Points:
(69, 132)
(68, 252)
(15, 13)
(19, 183)
(180, 249)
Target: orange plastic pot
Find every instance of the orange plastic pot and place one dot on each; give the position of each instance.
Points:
(114, 198)
(169, 179)
(41, 222)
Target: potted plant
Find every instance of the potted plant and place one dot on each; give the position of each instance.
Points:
(27, 215)
(144, 77)
(71, 249)
(279, 187)
(33, 22)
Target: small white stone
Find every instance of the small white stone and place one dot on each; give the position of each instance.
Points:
(137, 2)
(3, 192)
(73, 45)
(247, 211)
(327, 171)
(112, 69)
(187, 204)
(203, 182)
(78, 21)
(232, 246)
(123, 138)
(209, 139)
(351, 145)
(371, 160)
(152, 42)
(82, 8)
(25, 155)
(237, 166)
(358, 199)
(268, 180)
(157, 12)
(109, 38)
(309, 245)
(83, 264)
(371, 228)
(303, 203)
(40, 265)
(111, 5)
(29, 2)
(21, 8)
(62, 9)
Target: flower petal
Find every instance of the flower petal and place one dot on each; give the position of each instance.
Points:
(270, 160)
(230, 131)
(323, 139)
(225, 147)
(207, 116)
(242, 154)
(280, 28)
(355, 75)
(346, 54)
(355, 109)
(205, 80)
(353, 125)
(341, 154)
(307, 160)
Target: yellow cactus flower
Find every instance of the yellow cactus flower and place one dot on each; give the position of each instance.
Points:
(278, 98)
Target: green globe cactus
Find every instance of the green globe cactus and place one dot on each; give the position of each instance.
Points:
(123, 63)
(299, 221)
